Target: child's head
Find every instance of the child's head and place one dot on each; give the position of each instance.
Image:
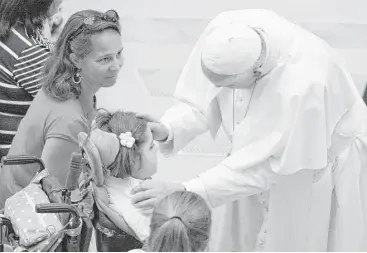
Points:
(180, 223)
(139, 159)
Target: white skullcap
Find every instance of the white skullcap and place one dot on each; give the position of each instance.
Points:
(231, 49)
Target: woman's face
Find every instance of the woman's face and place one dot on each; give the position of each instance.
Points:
(148, 155)
(102, 65)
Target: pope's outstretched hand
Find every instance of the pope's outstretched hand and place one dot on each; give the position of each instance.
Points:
(148, 193)
(159, 130)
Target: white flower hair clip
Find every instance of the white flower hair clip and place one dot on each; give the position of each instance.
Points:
(126, 139)
(89, 20)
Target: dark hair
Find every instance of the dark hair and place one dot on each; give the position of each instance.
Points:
(59, 69)
(181, 222)
(31, 13)
(127, 159)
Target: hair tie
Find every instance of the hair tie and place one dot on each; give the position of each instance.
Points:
(126, 139)
(176, 217)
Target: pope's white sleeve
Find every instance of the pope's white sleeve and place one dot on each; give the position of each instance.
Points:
(184, 122)
(222, 184)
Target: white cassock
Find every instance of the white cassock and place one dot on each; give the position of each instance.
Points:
(296, 179)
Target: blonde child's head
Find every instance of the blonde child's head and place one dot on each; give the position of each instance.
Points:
(180, 222)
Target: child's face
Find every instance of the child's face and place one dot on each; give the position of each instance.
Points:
(148, 154)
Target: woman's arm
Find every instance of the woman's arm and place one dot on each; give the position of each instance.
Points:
(61, 140)
(56, 155)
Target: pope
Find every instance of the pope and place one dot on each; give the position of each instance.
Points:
(296, 177)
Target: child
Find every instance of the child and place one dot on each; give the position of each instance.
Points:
(129, 155)
(180, 223)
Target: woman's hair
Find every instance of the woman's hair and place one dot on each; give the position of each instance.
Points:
(127, 159)
(180, 222)
(31, 13)
(74, 38)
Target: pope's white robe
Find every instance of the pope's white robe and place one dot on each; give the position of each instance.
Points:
(300, 153)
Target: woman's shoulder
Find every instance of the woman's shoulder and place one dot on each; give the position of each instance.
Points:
(68, 109)
(65, 126)
(62, 118)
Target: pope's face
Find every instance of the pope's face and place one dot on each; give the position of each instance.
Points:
(240, 81)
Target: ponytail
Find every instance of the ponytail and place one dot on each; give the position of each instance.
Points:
(180, 222)
(172, 236)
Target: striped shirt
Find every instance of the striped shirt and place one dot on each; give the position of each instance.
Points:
(21, 61)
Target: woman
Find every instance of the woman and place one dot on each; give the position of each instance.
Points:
(23, 51)
(87, 57)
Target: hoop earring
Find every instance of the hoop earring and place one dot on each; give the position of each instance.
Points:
(76, 77)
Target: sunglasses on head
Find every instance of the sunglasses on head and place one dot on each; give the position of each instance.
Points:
(109, 16)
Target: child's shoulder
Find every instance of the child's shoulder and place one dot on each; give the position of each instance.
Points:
(121, 183)
(112, 181)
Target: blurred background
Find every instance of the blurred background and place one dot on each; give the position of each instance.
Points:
(158, 36)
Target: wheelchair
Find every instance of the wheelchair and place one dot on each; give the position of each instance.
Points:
(76, 232)
(83, 216)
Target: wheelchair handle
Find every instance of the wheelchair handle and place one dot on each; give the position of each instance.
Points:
(22, 159)
(57, 208)
(60, 208)
(72, 242)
